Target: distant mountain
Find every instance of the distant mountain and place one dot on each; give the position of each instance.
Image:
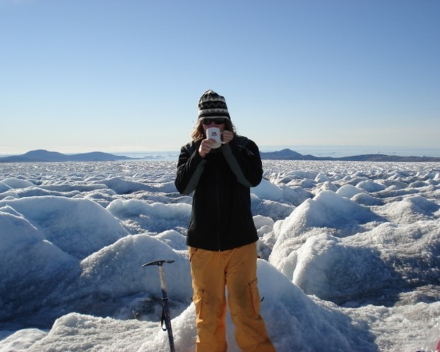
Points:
(46, 156)
(287, 154)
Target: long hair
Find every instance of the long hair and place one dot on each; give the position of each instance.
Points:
(199, 133)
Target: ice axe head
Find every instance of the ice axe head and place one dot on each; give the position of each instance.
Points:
(159, 262)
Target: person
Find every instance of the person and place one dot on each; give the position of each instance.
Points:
(221, 235)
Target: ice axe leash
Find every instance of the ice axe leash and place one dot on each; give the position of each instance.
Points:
(165, 306)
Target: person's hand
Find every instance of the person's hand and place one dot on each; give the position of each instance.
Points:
(227, 136)
(205, 147)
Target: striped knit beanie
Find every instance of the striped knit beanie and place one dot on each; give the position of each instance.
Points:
(212, 105)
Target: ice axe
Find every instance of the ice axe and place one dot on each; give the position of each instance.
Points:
(165, 307)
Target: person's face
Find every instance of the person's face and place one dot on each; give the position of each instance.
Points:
(214, 122)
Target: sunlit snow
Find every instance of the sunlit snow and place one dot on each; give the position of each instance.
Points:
(349, 256)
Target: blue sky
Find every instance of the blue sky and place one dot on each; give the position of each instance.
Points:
(114, 76)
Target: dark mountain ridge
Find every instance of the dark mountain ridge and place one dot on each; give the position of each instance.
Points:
(287, 154)
(42, 155)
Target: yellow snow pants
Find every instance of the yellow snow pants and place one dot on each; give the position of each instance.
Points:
(237, 270)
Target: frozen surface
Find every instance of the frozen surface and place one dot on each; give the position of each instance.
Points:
(350, 256)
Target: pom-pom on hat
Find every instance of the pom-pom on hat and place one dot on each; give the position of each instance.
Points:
(212, 105)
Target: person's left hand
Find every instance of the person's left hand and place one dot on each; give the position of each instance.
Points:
(227, 136)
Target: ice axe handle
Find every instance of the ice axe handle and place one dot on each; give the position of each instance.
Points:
(165, 307)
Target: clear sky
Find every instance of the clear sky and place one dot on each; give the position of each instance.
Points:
(115, 76)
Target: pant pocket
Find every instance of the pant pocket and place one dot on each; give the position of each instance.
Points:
(255, 295)
(198, 297)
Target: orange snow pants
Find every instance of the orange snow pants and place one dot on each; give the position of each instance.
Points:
(237, 270)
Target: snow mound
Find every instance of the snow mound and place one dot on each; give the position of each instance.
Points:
(327, 209)
(78, 227)
(333, 271)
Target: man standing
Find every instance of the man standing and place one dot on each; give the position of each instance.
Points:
(221, 234)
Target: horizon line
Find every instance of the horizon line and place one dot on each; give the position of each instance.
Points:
(332, 149)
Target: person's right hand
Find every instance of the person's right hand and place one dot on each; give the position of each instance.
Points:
(205, 147)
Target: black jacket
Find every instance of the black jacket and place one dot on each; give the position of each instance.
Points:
(221, 217)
